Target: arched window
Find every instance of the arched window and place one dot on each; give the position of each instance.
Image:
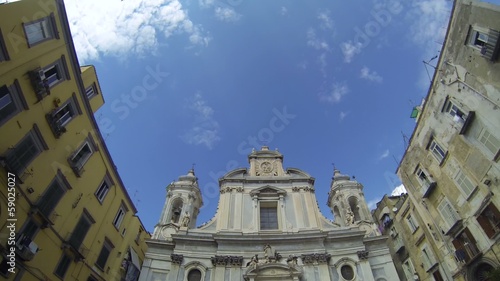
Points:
(353, 204)
(175, 213)
(194, 275)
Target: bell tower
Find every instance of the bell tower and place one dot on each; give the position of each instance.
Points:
(181, 208)
(347, 201)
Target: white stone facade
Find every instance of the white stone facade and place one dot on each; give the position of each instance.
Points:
(268, 226)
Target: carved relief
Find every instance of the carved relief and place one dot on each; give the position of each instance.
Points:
(266, 168)
(315, 258)
(362, 255)
(227, 260)
(177, 259)
(305, 188)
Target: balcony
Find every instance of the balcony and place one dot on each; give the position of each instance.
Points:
(399, 245)
(26, 249)
(467, 253)
(39, 83)
(55, 125)
(73, 245)
(427, 187)
(48, 215)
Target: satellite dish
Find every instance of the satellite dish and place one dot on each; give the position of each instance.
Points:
(394, 209)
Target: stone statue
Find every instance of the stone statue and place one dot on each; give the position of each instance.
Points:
(291, 260)
(254, 261)
(185, 220)
(349, 217)
(268, 252)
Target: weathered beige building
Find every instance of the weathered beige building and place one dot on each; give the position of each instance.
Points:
(450, 168)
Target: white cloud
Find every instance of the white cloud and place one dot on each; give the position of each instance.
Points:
(119, 28)
(384, 155)
(370, 75)
(283, 11)
(399, 190)
(205, 130)
(206, 3)
(350, 49)
(326, 21)
(335, 94)
(313, 41)
(428, 21)
(226, 14)
(343, 115)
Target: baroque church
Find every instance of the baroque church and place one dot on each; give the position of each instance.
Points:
(268, 226)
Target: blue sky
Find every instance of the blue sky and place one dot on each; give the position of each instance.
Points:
(205, 81)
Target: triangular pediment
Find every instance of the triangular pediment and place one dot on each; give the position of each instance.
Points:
(267, 190)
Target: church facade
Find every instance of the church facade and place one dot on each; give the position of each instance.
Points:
(268, 226)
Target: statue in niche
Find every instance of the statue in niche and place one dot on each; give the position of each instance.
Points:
(268, 252)
(185, 220)
(349, 217)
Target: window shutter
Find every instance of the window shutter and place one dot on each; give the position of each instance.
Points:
(79, 232)
(103, 256)
(486, 226)
(49, 200)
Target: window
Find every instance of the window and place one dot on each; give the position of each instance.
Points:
(194, 275)
(62, 266)
(119, 216)
(489, 219)
(488, 140)
(80, 230)
(437, 151)
(484, 40)
(465, 247)
(80, 157)
(91, 91)
(40, 30)
(11, 102)
(408, 269)
(426, 181)
(428, 258)
(4, 55)
(437, 276)
(456, 112)
(412, 223)
(107, 247)
(448, 213)
(51, 197)
(464, 183)
(138, 237)
(268, 215)
(23, 153)
(347, 272)
(102, 190)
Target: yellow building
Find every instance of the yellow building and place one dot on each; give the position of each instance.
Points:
(64, 211)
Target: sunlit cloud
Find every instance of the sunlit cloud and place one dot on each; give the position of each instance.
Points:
(350, 49)
(367, 74)
(226, 14)
(121, 28)
(335, 93)
(385, 154)
(204, 130)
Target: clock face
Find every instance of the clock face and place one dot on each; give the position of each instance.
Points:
(166, 232)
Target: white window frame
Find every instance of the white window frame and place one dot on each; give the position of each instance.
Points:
(91, 91)
(412, 223)
(456, 112)
(448, 213)
(71, 113)
(488, 140)
(120, 215)
(423, 177)
(408, 270)
(428, 257)
(477, 34)
(103, 190)
(78, 165)
(60, 73)
(464, 183)
(437, 150)
(40, 30)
